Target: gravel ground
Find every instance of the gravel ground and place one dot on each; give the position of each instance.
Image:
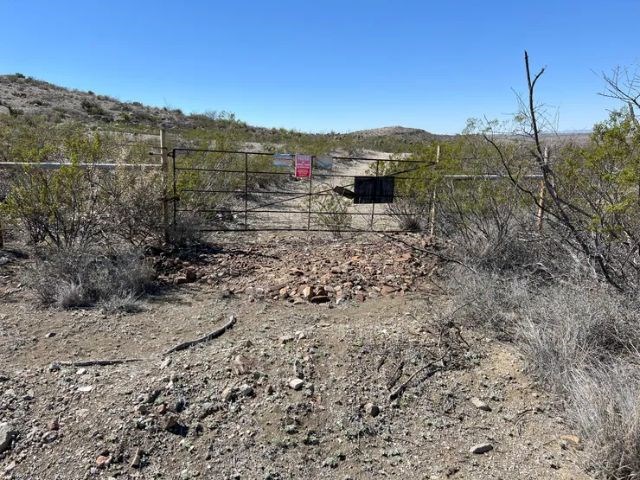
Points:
(381, 388)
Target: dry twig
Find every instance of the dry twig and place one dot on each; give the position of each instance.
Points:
(210, 336)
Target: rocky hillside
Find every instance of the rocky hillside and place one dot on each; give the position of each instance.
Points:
(22, 95)
(408, 134)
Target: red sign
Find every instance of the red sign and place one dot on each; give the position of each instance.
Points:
(303, 166)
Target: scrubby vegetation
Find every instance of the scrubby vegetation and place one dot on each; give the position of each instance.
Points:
(85, 224)
(543, 236)
(84, 277)
(564, 289)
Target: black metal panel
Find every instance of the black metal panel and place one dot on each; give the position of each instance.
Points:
(374, 189)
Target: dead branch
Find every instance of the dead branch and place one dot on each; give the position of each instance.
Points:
(397, 393)
(210, 336)
(98, 363)
(396, 375)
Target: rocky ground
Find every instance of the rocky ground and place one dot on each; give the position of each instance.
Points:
(368, 380)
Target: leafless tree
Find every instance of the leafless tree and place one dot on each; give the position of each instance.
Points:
(624, 84)
(566, 214)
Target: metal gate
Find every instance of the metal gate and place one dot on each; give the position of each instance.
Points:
(222, 190)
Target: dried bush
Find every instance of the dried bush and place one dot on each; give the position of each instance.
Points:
(605, 406)
(410, 214)
(489, 300)
(187, 230)
(579, 340)
(125, 303)
(70, 278)
(566, 328)
(93, 108)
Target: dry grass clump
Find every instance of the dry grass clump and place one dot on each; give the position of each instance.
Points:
(334, 213)
(566, 328)
(582, 343)
(488, 299)
(73, 278)
(410, 214)
(605, 405)
(579, 340)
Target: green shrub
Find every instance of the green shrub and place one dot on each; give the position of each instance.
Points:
(60, 206)
(334, 213)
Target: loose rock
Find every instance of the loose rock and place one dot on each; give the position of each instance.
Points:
(246, 390)
(7, 434)
(481, 448)
(296, 384)
(103, 461)
(372, 409)
(480, 405)
(229, 394)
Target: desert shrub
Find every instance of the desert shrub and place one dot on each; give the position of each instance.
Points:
(579, 339)
(490, 300)
(566, 328)
(605, 406)
(75, 206)
(79, 204)
(132, 205)
(410, 214)
(333, 213)
(58, 206)
(201, 185)
(187, 230)
(480, 209)
(92, 107)
(27, 140)
(75, 277)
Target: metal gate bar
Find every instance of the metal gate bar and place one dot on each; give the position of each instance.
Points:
(226, 172)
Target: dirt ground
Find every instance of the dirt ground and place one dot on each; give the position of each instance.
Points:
(369, 383)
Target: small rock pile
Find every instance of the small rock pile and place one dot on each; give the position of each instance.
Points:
(315, 272)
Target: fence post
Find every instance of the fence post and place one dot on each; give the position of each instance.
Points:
(541, 194)
(432, 212)
(311, 173)
(165, 184)
(246, 191)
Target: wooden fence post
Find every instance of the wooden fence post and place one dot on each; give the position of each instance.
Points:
(432, 212)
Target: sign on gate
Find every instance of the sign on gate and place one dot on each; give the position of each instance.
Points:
(303, 166)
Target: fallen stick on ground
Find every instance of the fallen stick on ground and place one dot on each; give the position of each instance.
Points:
(206, 338)
(400, 390)
(99, 363)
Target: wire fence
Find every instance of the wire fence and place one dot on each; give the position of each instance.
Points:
(246, 191)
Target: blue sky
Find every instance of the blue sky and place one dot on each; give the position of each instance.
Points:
(328, 65)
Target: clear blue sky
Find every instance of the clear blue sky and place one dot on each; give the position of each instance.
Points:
(328, 65)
